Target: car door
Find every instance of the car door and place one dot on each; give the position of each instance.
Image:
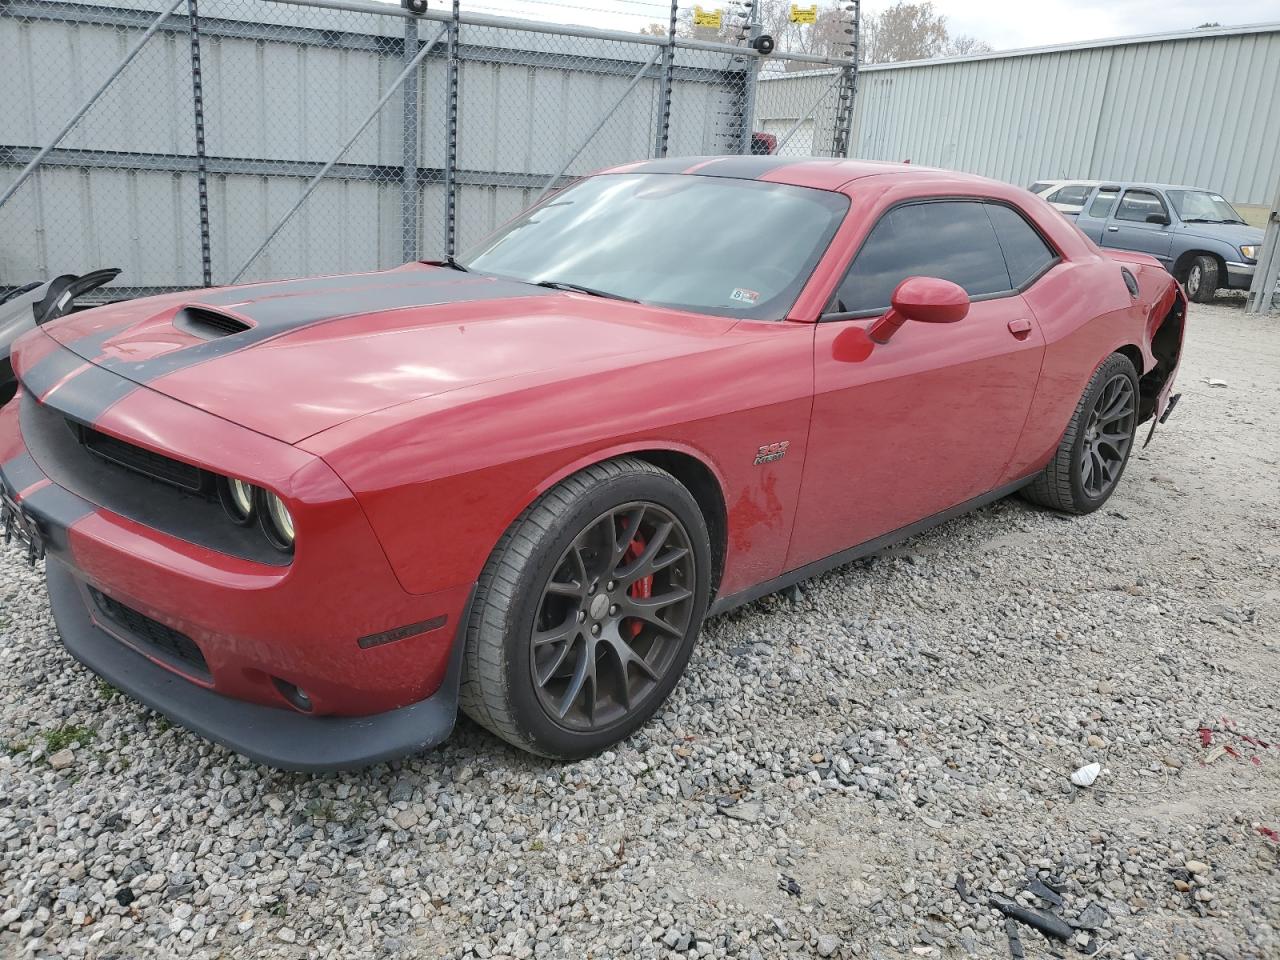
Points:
(904, 430)
(1092, 220)
(1141, 222)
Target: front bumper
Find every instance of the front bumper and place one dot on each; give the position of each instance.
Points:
(270, 735)
(1240, 275)
(217, 641)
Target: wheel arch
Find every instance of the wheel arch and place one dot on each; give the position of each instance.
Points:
(1183, 263)
(691, 468)
(1134, 353)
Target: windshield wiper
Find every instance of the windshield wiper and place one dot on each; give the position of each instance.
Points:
(578, 288)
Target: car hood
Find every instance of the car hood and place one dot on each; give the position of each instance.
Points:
(1232, 233)
(293, 358)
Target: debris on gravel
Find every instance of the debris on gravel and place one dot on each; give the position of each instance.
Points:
(896, 740)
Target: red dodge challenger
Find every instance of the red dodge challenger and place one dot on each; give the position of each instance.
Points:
(311, 519)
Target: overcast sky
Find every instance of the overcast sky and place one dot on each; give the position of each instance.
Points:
(1005, 24)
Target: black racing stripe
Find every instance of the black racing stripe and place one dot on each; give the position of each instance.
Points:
(667, 165)
(19, 473)
(745, 168)
(281, 314)
(56, 510)
(288, 288)
(89, 394)
(40, 377)
(91, 345)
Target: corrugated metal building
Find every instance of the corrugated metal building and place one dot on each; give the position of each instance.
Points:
(1199, 107)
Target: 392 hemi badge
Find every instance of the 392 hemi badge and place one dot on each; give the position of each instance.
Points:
(770, 452)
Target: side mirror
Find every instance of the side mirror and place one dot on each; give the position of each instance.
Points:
(925, 300)
(1158, 218)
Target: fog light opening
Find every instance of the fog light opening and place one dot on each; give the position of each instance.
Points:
(296, 696)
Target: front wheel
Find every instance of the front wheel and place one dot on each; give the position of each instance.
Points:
(1095, 448)
(587, 611)
(1202, 279)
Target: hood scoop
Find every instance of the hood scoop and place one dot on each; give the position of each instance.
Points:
(208, 324)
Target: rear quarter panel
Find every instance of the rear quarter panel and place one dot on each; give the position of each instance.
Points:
(441, 479)
(1086, 313)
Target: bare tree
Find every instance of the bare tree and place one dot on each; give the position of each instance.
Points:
(913, 31)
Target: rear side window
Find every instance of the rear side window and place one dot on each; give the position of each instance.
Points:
(1039, 185)
(1102, 203)
(951, 239)
(1025, 252)
(1137, 205)
(1073, 195)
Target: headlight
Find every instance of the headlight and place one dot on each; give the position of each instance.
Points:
(1250, 251)
(238, 499)
(278, 521)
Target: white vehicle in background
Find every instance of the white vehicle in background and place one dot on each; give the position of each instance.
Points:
(1066, 195)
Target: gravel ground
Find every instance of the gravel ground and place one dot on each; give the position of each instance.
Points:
(853, 774)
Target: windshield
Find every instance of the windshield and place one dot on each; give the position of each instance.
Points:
(738, 248)
(1201, 206)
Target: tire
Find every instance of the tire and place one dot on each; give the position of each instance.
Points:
(553, 575)
(1202, 279)
(1068, 483)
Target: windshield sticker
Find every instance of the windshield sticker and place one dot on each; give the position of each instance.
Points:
(744, 296)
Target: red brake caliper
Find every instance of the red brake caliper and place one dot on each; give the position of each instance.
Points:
(643, 587)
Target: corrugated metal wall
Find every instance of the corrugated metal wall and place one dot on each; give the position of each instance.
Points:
(1202, 108)
(284, 87)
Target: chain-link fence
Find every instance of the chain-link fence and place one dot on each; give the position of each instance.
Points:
(198, 142)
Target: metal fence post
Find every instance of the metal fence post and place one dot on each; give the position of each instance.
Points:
(841, 138)
(93, 98)
(451, 137)
(750, 79)
(664, 95)
(202, 164)
(409, 149)
(1266, 275)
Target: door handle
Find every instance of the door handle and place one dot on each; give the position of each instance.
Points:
(1020, 329)
(1113, 229)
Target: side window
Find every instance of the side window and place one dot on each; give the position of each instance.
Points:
(1074, 195)
(1137, 205)
(951, 239)
(1103, 202)
(1025, 251)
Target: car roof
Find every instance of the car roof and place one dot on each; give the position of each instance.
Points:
(1125, 184)
(817, 172)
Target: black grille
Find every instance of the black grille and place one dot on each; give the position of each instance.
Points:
(165, 641)
(208, 324)
(140, 460)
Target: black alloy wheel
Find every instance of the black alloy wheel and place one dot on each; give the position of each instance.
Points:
(613, 616)
(587, 610)
(1108, 436)
(1094, 450)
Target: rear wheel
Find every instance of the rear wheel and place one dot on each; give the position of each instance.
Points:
(587, 611)
(1095, 448)
(1202, 279)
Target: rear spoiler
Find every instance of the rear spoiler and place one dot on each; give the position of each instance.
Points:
(27, 307)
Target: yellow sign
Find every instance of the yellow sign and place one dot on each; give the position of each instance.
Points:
(706, 18)
(801, 14)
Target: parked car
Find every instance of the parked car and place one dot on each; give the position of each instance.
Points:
(309, 519)
(1195, 233)
(1065, 195)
